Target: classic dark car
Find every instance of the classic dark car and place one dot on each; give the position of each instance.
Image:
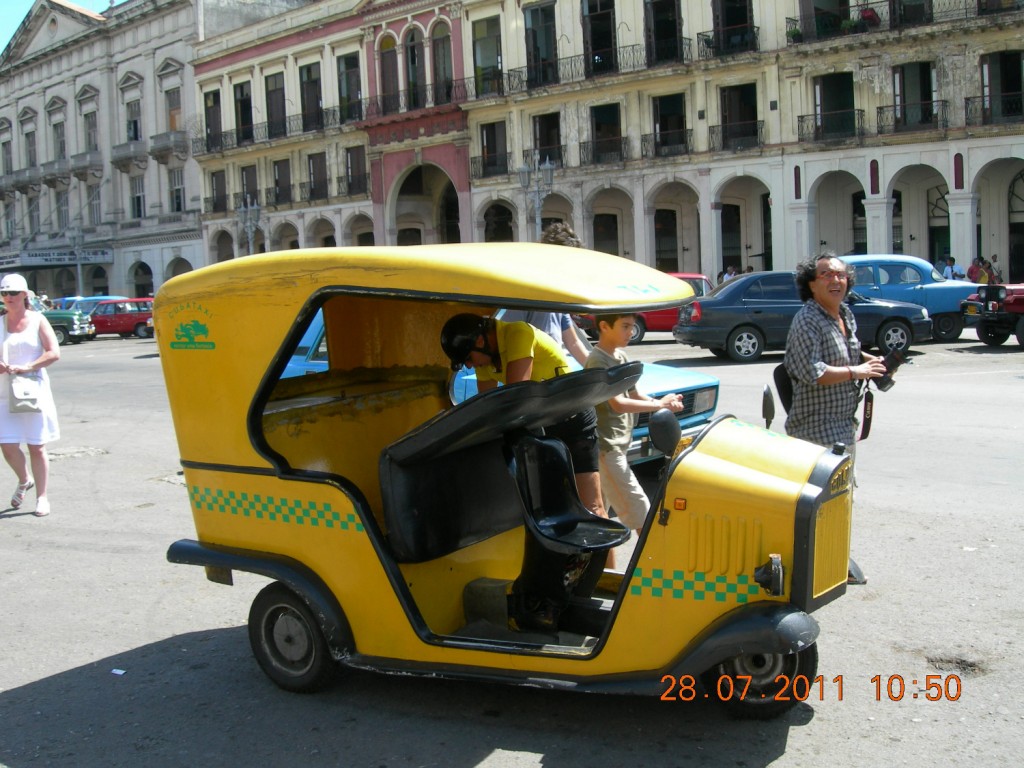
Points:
(752, 313)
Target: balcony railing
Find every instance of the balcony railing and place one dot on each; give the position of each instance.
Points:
(670, 50)
(994, 110)
(666, 143)
(904, 118)
(215, 204)
(57, 173)
(736, 136)
(123, 156)
(604, 151)
(247, 198)
(487, 166)
(554, 154)
(831, 126)
(312, 191)
(164, 145)
(726, 41)
(86, 164)
(280, 195)
(353, 184)
(27, 180)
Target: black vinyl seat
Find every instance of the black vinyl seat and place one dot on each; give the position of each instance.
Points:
(554, 513)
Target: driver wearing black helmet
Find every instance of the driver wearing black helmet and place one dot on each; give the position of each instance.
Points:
(507, 353)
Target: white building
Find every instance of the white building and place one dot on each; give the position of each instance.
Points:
(99, 193)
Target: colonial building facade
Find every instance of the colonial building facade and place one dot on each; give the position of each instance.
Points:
(99, 193)
(688, 135)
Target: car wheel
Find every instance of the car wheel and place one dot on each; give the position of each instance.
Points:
(141, 331)
(639, 329)
(759, 686)
(62, 335)
(720, 353)
(893, 335)
(988, 334)
(287, 641)
(1020, 331)
(947, 327)
(745, 344)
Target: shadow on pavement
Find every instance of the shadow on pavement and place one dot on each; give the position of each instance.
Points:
(199, 699)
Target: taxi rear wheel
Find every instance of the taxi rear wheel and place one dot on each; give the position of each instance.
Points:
(759, 686)
(287, 641)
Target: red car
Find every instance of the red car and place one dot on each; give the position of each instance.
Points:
(123, 317)
(659, 319)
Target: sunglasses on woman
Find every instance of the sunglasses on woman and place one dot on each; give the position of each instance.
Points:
(10, 293)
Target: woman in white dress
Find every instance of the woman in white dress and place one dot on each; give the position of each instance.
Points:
(29, 345)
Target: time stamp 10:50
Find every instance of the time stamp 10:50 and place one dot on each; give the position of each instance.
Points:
(803, 688)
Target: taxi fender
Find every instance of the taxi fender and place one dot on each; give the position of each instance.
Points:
(762, 628)
(299, 578)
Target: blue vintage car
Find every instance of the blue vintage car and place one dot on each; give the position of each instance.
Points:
(908, 278)
(699, 391)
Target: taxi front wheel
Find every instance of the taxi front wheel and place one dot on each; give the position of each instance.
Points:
(287, 641)
(759, 686)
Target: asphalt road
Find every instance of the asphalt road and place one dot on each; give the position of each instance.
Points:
(114, 657)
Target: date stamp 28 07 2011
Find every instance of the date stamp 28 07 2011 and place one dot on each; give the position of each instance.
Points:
(802, 688)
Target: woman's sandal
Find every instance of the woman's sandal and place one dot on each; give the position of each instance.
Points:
(20, 491)
(42, 507)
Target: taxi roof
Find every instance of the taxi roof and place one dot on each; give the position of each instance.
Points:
(511, 274)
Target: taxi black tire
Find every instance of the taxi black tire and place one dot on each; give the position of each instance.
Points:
(773, 687)
(287, 641)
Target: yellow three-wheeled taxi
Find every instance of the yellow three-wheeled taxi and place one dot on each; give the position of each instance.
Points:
(392, 522)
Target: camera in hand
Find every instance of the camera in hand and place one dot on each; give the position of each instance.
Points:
(893, 361)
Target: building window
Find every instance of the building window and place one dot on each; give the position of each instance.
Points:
(176, 189)
(92, 141)
(9, 221)
(541, 46)
(8, 157)
(33, 215)
(355, 170)
(441, 56)
(317, 166)
(277, 121)
(95, 211)
(250, 191)
(218, 193)
(138, 196)
(243, 112)
(173, 100)
(61, 204)
(389, 86)
(494, 150)
(312, 105)
(134, 124)
(282, 190)
(30, 149)
(487, 55)
(60, 147)
(349, 88)
(415, 71)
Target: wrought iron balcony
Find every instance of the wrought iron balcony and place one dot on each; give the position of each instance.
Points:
(831, 126)
(555, 155)
(604, 151)
(247, 198)
(124, 156)
(667, 143)
(726, 41)
(57, 173)
(904, 118)
(312, 191)
(487, 166)
(164, 145)
(282, 194)
(87, 164)
(736, 136)
(215, 204)
(997, 109)
(354, 184)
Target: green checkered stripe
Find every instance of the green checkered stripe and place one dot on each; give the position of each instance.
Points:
(277, 510)
(695, 586)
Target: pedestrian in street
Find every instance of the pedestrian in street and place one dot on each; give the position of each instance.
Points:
(29, 347)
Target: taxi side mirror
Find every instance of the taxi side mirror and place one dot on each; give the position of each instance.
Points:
(665, 431)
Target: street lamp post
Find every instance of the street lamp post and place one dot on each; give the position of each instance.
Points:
(249, 215)
(542, 185)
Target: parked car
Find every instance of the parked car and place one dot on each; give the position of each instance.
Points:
(999, 310)
(752, 313)
(69, 325)
(699, 390)
(908, 278)
(656, 320)
(124, 317)
(86, 304)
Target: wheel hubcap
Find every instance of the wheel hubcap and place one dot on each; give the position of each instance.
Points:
(290, 638)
